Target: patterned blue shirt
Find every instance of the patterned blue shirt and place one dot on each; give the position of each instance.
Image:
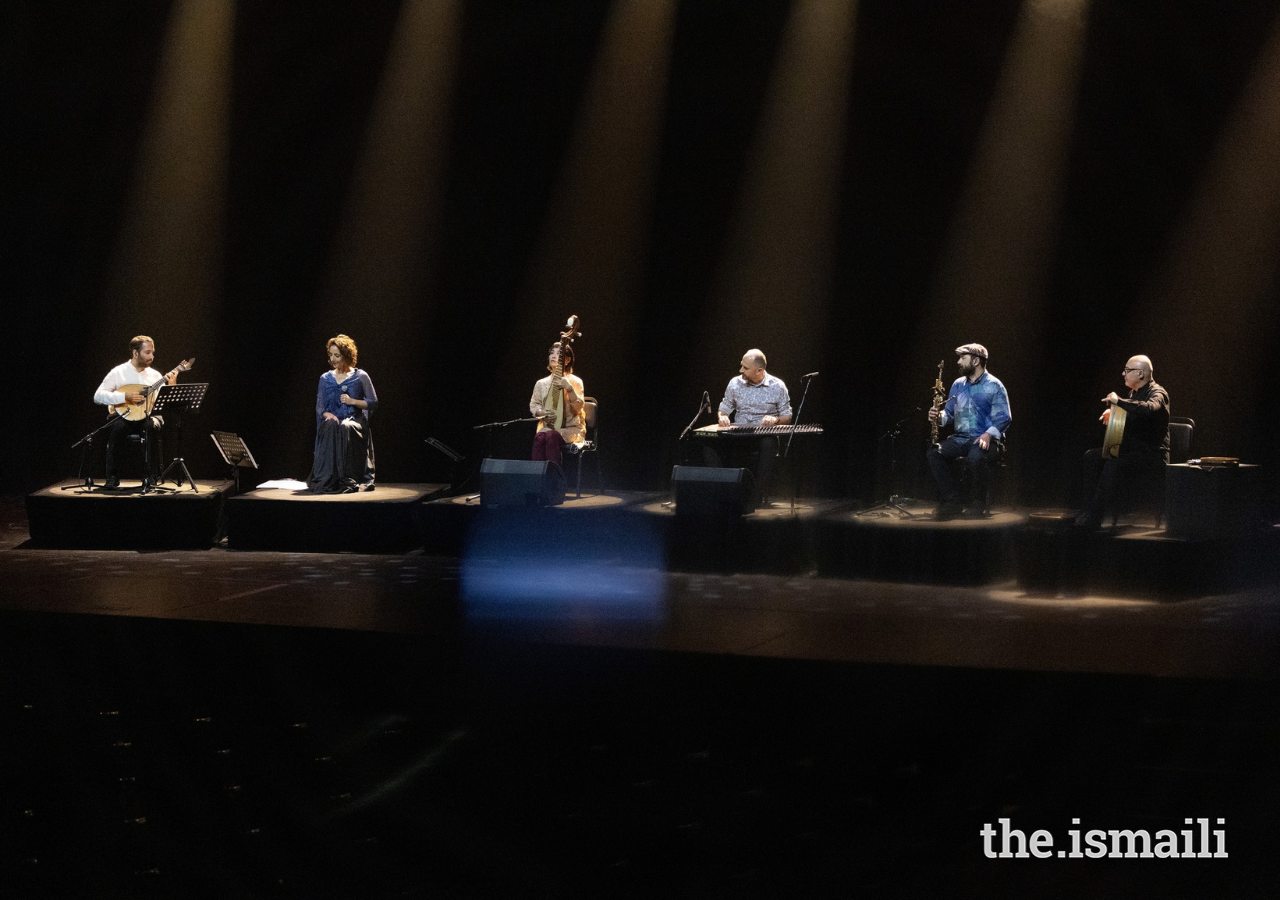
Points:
(749, 403)
(982, 406)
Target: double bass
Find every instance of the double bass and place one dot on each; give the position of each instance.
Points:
(555, 399)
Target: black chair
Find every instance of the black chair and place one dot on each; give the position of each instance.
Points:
(1181, 430)
(1148, 492)
(999, 463)
(591, 422)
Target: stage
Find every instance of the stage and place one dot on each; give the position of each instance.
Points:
(382, 520)
(69, 516)
(348, 721)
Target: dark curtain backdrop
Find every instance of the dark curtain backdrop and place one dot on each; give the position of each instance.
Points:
(1158, 82)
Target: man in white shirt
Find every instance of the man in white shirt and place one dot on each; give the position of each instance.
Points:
(142, 353)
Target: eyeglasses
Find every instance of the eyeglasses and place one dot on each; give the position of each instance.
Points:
(1127, 371)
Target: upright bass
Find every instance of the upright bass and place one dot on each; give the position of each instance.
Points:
(554, 403)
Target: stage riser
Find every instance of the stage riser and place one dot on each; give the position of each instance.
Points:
(1072, 563)
(915, 554)
(363, 524)
(89, 521)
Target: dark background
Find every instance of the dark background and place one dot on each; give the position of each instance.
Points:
(1158, 81)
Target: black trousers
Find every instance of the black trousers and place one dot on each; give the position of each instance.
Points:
(1120, 480)
(744, 453)
(979, 461)
(122, 428)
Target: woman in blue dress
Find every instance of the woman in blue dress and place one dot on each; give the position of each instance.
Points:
(345, 402)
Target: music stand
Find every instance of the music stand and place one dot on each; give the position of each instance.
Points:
(179, 397)
(235, 453)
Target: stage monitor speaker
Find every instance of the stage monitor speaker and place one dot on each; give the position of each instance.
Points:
(520, 483)
(706, 491)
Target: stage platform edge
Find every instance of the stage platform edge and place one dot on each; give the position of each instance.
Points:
(384, 520)
(76, 519)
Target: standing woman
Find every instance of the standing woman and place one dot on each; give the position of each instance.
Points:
(549, 442)
(345, 402)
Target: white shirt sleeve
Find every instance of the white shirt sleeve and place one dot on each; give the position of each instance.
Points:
(107, 393)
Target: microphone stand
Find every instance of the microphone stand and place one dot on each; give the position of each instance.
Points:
(704, 406)
(786, 453)
(86, 481)
(488, 429)
(895, 505)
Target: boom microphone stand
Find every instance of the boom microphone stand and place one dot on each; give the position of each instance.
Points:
(795, 423)
(86, 481)
(895, 505)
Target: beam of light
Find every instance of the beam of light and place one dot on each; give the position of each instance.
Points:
(995, 264)
(774, 278)
(380, 268)
(1216, 288)
(381, 263)
(166, 276)
(594, 239)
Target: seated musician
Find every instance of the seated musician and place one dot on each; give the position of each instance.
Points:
(345, 401)
(1144, 448)
(550, 442)
(757, 398)
(142, 353)
(978, 407)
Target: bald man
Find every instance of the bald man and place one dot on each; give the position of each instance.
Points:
(1144, 449)
(754, 397)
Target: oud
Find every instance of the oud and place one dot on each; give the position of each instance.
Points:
(135, 412)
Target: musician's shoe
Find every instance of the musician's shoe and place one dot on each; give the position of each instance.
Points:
(111, 484)
(948, 510)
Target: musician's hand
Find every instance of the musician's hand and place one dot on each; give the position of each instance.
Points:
(331, 417)
(135, 398)
(172, 379)
(984, 440)
(935, 414)
(1106, 416)
(724, 420)
(769, 420)
(1110, 398)
(345, 400)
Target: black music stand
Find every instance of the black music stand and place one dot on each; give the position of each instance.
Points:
(178, 398)
(235, 453)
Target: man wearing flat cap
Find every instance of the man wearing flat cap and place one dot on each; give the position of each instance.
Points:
(978, 408)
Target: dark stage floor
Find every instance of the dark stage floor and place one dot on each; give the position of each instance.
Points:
(220, 723)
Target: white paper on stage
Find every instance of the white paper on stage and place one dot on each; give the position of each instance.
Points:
(282, 484)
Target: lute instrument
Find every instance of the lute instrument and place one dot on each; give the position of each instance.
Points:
(555, 398)
(136, 412)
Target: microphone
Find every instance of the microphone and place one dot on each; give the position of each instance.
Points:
(706, 401)
(810, 375)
